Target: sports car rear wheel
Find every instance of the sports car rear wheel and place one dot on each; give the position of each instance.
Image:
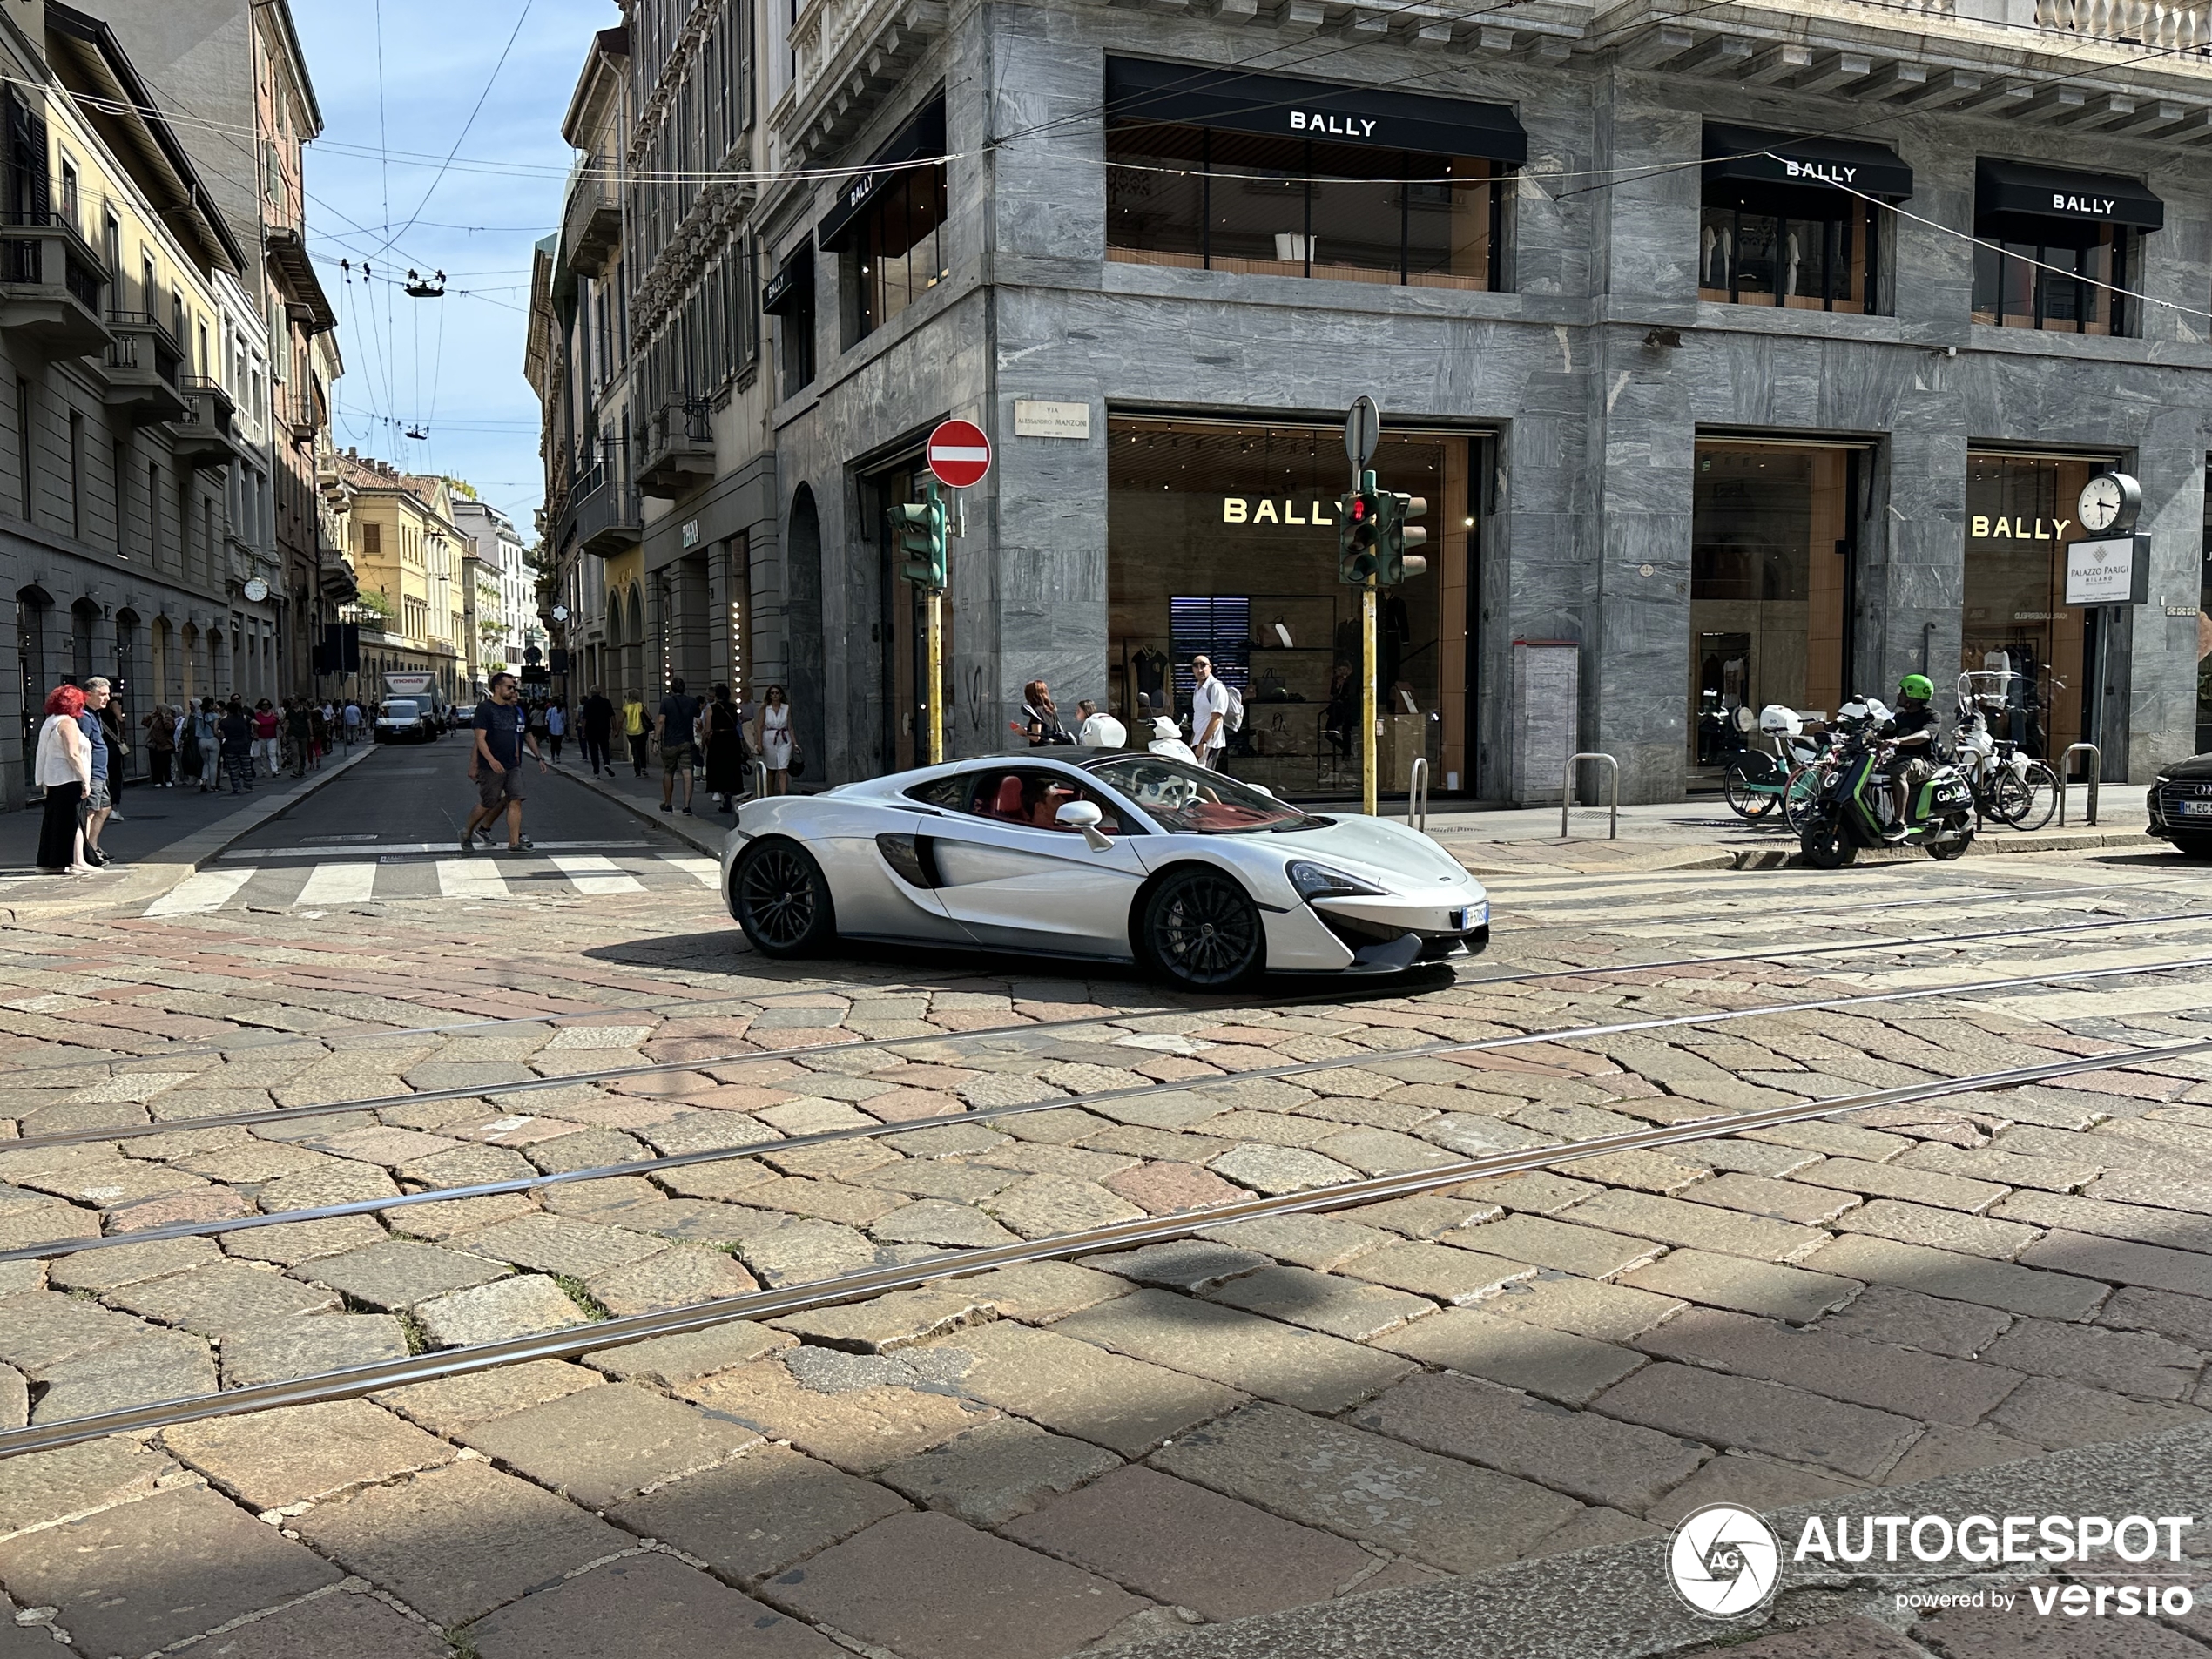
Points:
(1201, 930)
(782, 900)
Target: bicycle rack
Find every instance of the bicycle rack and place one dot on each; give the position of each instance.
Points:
(1566, 791)
(1417, 794)
(2066, 765)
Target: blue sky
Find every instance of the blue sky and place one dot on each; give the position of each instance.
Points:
(452, 366)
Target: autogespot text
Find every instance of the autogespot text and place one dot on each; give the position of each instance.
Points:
(2081, 1542)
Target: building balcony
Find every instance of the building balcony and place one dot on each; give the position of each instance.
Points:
(203, 436)
(591, 218)
(845, 54)
(138, 373)
(678, 451)
(607, 515)
(50, 287)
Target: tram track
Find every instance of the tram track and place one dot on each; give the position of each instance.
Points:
(732, 1062)
(52, 1249)
(350, 1382)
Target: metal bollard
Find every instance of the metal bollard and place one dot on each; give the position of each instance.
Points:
(759, 779)
(1566, 791)
(2066, 765)
(1417, 794)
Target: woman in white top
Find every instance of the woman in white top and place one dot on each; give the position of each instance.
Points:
(771, 742)
(65, 772)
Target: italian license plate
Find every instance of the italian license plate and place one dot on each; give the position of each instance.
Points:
(2196, 808)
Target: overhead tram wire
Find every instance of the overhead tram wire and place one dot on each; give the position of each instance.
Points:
(353, 1381)
(477, 109)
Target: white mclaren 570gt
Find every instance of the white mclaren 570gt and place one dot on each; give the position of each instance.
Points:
(1111, 856)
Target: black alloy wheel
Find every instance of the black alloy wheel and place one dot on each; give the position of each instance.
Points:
(1742, 799)
(782, 900)
(1202, 931)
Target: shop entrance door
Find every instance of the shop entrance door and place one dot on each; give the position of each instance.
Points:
(1774, 526)
(2019, 517)
(902, 632)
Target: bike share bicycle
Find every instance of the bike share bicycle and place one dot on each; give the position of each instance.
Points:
(2009, 784)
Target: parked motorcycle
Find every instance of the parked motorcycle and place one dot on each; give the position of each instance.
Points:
(1857, 804)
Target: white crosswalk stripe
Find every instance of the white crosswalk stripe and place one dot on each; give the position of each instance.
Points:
(195, 894)
(339, 883)
(354, 875)
(471, 879)
(597, 874)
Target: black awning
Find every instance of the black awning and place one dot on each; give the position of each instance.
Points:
(1785, 173)
(922, 136)
(792, 280)
(2020, 201)
(1139, 89)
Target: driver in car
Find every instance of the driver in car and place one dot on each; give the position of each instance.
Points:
(1913, 730)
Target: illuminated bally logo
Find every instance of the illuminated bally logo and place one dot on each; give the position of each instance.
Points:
(1723, 1561)
(1271, 509)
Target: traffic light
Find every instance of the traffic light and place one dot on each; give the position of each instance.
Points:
(1360, 517)
(1395, 560)
(919, 529)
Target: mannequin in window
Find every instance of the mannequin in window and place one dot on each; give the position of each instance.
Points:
(1790, 268)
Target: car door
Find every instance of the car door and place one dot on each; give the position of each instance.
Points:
(1015, 878)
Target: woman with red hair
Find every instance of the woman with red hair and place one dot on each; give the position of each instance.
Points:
(65, 770)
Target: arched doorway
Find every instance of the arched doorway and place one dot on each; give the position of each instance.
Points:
(803, 645)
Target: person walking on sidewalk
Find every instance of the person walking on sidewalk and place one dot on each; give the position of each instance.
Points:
(115, 726)
(495, 764)
(674, 726)
(598, 723)
(265, 728)
(557, 728)
(725, 754)
(634, 728)
(238, 744)
(207, 744)
(98, 801)
(64, 770)
(351, 719)
(299, 733)
(161, 746)
(317, 734)
(773, 739)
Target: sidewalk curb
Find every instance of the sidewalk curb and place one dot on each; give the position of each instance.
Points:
(181, 860)
(692, 831)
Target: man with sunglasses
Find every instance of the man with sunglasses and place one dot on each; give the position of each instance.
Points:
(495, 764)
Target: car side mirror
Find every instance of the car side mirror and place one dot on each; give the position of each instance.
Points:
(1085, 816)
(1262, 789)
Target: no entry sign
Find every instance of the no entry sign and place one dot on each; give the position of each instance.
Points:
(959, 454)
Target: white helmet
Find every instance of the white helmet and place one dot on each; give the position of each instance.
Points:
(1780, 718)
(1103, 731)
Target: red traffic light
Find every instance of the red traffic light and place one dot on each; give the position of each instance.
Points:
(1362, 510)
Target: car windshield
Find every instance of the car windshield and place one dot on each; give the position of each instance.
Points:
(399, 710)
(1188, 799)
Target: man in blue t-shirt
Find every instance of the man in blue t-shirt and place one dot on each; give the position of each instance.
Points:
(495, 763)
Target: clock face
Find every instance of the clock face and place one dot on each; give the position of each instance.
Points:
(2109, 501)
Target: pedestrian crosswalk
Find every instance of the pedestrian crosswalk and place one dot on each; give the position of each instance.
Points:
(362, 875)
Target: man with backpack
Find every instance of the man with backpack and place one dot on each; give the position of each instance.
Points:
(1215, 710)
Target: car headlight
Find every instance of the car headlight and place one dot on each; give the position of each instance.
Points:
(1320, 881)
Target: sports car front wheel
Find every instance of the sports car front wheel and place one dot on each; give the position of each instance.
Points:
(782, 900)
(1201, 930)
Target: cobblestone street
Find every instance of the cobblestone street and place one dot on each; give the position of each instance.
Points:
(1093, 1446)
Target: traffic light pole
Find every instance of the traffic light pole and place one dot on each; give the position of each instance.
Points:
(1369, 719)
(936, 598)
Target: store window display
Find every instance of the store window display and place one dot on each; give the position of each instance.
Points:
(1222, 542)
(2020, 516)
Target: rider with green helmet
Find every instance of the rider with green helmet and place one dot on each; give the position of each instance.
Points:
(1913, 730)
